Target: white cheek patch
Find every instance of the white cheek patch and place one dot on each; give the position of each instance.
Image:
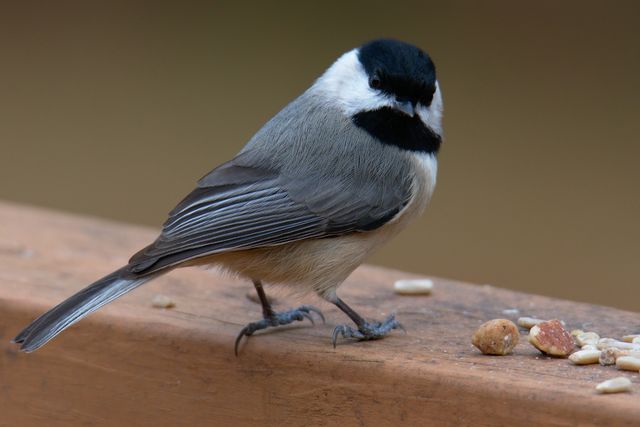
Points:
(346, 82)
(432, 115)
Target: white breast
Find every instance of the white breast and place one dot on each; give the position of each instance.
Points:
(424, 182)
(426, 169)
(428, 165)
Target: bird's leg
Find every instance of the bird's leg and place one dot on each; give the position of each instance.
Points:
(366, 330)
(267, 311)
(272, 318)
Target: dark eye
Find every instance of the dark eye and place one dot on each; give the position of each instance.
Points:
(375, 82)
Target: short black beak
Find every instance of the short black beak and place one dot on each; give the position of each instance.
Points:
(406, 106)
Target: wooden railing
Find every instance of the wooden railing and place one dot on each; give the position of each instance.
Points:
(132, 364)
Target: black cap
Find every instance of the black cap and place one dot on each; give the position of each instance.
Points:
(399, 69)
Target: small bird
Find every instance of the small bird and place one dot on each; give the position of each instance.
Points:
(334, 175)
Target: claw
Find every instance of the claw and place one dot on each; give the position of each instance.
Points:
(308, 316)
(284, 318)
(367, 331)
(346, 332)
(337, 331)
(242, 333)
(334, 336)
(391, 323)
(314, 310)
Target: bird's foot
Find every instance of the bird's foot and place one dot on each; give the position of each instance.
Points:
(368, 330)
(277, 319)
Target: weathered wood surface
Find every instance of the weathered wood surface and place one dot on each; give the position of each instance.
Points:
(131, 364)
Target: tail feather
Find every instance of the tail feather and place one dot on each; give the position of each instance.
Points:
(68, 312)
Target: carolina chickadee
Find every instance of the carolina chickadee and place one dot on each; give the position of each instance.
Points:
(336, 173)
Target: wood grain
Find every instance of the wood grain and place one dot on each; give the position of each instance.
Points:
(131, 364)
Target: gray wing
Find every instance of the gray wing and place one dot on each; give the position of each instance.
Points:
(237, 207)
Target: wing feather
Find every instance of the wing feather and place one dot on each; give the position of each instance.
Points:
(245, 208)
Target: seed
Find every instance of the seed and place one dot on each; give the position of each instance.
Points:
(630, 338)
(162, 301)
(413, 287)
(576, 332)
(587, 338)
(585, 357)
(497, 337)
(589, 347)
(611, 354)
(551, 338)
(615, 385)
(610, 342)
(608, 356)
(628, 363)
(528, 322)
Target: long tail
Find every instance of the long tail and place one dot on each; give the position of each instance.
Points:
(68, 312)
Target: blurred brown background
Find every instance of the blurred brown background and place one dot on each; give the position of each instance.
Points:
(115, 109)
